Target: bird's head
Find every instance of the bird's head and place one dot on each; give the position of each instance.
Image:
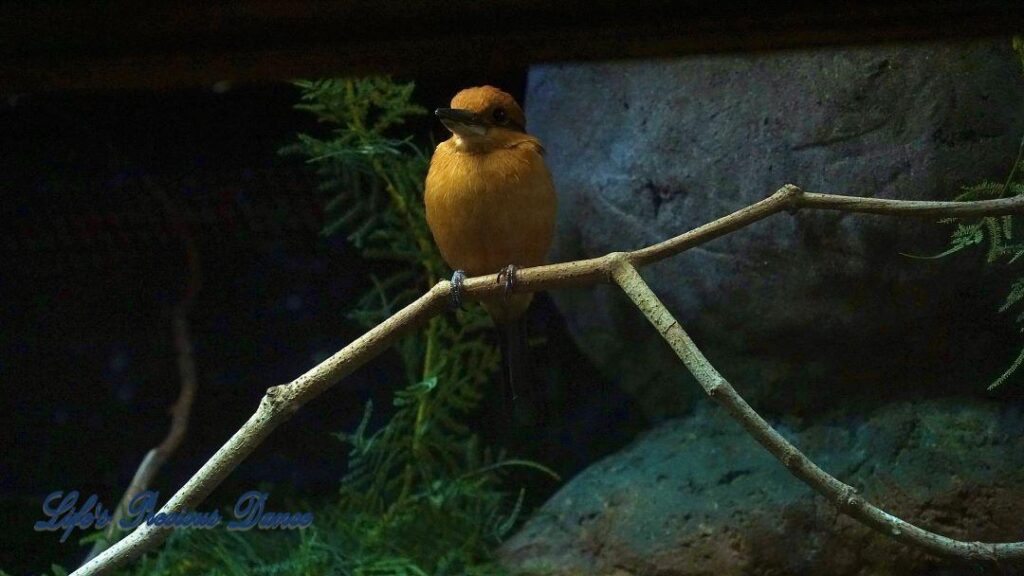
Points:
(483, 117)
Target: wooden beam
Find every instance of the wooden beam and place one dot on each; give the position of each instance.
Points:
(121, 44)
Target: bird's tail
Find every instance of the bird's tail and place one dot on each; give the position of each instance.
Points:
(523, 400)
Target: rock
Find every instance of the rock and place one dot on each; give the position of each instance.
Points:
(699, 496)
(642, 151)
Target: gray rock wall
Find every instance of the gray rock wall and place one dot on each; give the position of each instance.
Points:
(802, 311)
(698, 496)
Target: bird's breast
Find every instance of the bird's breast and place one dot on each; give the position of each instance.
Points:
(489, 210)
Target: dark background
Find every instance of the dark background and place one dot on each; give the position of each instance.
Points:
(93, 266)
(107, 107)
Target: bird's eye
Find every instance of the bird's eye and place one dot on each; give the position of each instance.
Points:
(499, 115)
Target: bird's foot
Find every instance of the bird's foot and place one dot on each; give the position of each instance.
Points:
(508, 276)
(455, 300)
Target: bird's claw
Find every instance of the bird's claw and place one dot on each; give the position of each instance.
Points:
(455, 300)
(508, 273)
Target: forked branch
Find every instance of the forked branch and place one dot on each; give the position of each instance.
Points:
(280, 402)
(842, 495)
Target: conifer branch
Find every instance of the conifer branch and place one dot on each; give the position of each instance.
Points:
(280, 402)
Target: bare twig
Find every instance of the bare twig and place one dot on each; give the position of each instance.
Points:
(155, 458)
(843, 496)
(997, 207)
(277, 406)
(281, 402)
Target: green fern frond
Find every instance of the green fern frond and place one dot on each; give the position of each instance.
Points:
(998, 233)
(1015, 295)
(981, 191)
(1009, 371)
(965, 236)
(1017, 250)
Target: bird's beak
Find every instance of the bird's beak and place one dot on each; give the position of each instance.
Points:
(461, 122)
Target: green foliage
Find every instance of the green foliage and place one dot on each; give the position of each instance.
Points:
(421, 496)
(999, 235)
(371, 181)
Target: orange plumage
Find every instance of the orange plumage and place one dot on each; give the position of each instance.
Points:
(490, 201)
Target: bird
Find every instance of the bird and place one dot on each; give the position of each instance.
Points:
(491, 207)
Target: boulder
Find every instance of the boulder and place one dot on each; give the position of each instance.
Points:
(803, 312)
(699, 496)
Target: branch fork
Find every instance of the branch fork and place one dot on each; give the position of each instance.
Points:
(281, 402)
